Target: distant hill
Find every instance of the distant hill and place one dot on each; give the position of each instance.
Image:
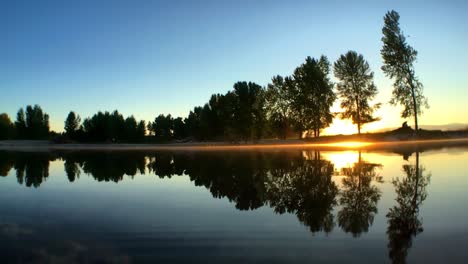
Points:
(447, 127)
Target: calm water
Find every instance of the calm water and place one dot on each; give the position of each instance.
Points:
(239, 206)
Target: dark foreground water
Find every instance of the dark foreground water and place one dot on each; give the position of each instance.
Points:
(238, 206)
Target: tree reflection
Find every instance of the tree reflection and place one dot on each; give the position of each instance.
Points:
(403, 219)
(72, 169)
(306, 189)
(6, 163)
(237, 176)
(104, 166)
(32, 168)
(359, 197)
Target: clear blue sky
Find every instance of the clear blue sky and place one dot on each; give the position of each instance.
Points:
(149, 57)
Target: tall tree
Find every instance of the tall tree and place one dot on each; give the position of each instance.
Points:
(20, 124)
(399, 58)
(248, 113)
(32, 123)
(72, 124)
(278, 105)
(312, 96)
(355, 88)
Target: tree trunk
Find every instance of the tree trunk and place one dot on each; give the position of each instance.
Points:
(415, 106)
(416, 188)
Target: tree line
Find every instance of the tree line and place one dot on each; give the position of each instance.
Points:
(299, 104)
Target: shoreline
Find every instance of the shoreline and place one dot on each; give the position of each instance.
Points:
(39, 146)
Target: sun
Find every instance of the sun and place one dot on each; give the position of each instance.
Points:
(339, 126)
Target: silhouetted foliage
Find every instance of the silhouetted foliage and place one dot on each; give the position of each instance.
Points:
(113, 127)
(179, 128)
(237, 115)
(399, 58)
(359, 197)
(72, 125)
(162, 127)
(248, 111)
(355, 88)
(278, 106)
(7, 128)
(32, 124)
(403, 218)
(312, 96)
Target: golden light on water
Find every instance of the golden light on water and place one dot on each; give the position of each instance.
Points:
(348, 144)
(342, 159)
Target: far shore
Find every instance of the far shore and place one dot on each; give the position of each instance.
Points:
(39, 146)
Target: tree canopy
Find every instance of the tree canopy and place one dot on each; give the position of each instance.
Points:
(355, 88)
(7, 128)
(399, 58)
(312, 96)
(32, 123)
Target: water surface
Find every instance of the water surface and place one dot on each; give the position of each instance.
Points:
(270, 206)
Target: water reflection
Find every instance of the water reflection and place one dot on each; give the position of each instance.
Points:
(305, 188)
(301, 183)
(359, 197)
(403, 218)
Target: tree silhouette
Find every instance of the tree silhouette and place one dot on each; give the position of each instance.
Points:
(312, 96)
(32, 123)
(248, 111)
(180, 130)
(403, 218)
(7, 128)
(359, 198)
(399, 57)
(162, 127)
(113, 127)
(20, 124)
(355, 88)
(278, 105)
(72, 124)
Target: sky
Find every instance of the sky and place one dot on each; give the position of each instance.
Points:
(158, 57)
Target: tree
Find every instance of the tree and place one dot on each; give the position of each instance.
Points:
(32, 123)
(6, 127)
(162, 127)
(356, 88)
(141, 131)
(180, 131)
(72, 124)
(312, 96)
(399, 57)
(248, 111)
(20, 124)
(278, 105)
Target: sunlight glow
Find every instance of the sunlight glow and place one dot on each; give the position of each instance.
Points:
(348, 144)
(342, 159)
